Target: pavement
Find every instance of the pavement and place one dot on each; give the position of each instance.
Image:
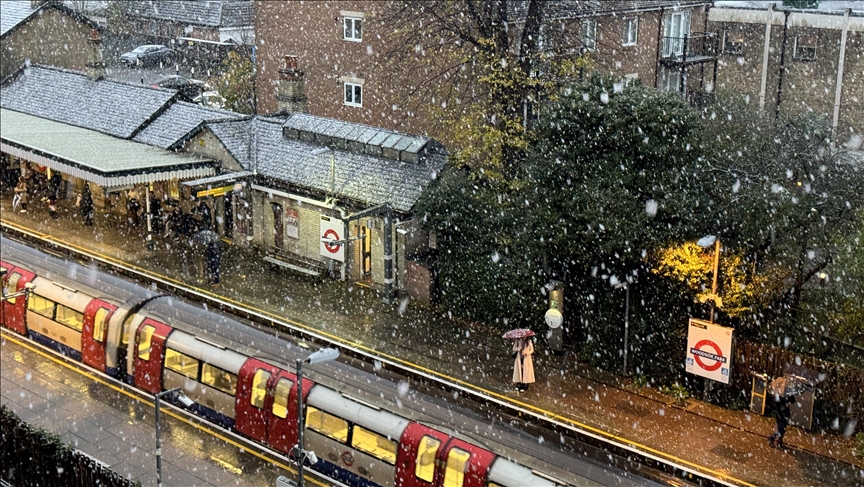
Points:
(724, 443)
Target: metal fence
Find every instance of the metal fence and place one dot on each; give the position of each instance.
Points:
(31, 456)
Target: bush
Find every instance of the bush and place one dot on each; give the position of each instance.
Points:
(676, 391)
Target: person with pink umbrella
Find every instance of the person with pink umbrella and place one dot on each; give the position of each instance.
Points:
(523, 367)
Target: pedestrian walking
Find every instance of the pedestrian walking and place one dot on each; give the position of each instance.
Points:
(133, 207)
(523, 367)
(203, 211)
(85, 205)
(782, 413)
(212, 254)
(20, 197)
(156, 213)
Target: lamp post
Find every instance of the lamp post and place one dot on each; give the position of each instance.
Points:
(185, 402)
(323, 355)
(706, 242)
(626, 286)
(324, 150)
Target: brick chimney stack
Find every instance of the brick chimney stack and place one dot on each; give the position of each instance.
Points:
(290, 96)
(95, 64)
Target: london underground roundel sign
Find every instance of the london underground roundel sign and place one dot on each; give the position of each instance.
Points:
(332, 230)
(709, 350)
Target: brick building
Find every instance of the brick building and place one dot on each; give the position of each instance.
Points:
(327, 57)
(794, 59)
(43, 32)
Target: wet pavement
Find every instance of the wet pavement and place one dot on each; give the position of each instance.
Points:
(117, 429)
(723, 443)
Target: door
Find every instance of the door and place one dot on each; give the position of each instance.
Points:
(14, 310)
(250, 406)
(149, 354)
(278, 226)
(676, 26)
(366, 252)
(94, 333)
(415, 458)
(282, 410)
(461, 464)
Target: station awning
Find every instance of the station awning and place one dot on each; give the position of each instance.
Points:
(228, 177)
(93, 156)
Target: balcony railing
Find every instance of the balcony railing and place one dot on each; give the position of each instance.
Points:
(691, 48)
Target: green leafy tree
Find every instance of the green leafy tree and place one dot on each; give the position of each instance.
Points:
(237, 83)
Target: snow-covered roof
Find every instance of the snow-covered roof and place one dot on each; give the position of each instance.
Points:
(258, 144)
(213, 13)
(111, 107)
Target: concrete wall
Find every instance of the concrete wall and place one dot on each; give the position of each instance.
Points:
(52, 38)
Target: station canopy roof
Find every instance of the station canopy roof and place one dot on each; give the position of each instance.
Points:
(93, 156)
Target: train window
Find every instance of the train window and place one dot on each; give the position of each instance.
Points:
(374, 444)
(11, 285)
(180, 362)
(259, 388)
(220, 379)
(69, 317)
(457, 461)
(144, 339)
(326, 424)
(100, 324)
(493, 484)
(426, 453)
(280, 400)
(40, 305)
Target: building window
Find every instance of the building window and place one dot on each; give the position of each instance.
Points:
(353, 95)
(589, 34)
(631, 31)
(733, 43)
(805, 48)
(352, 29)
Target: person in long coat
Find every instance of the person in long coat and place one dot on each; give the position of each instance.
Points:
(782, 413)
(85, 205)
(21, 195)
(523, 367)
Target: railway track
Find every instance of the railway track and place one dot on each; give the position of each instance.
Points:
(611, 449)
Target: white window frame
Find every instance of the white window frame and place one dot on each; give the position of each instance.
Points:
(589, 34)
(797, 56)
(631, 26)
(355, 30)
(353, 92)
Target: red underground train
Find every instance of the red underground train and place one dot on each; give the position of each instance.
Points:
(156, 343)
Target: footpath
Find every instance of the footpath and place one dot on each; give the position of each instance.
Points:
(728, 444)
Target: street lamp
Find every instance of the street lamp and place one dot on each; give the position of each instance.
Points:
(706, 242)
(185, 402)
(324, 150)
(323, 355)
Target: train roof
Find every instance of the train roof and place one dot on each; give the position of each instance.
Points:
(374, 419)
(205, 351)
(95, 282)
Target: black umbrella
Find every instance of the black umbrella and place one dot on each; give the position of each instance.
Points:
(205, 237)
(789, 385)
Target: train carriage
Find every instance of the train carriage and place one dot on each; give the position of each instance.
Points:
(166, 343)
(13, 310)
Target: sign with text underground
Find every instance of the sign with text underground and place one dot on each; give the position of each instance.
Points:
(709, 350)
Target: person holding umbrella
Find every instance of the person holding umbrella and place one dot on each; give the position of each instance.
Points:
(784, 389)
(523, 349)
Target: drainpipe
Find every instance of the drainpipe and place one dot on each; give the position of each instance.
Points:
(659, 47)
(782, 63)
(766, 51)
(839, 89)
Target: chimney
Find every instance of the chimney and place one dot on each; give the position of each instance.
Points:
(290, 96)
(95, 64)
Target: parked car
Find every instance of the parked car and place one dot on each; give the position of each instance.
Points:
(188, 87)
(210, 99)
(147, 55)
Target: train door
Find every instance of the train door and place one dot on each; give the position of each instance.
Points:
(149, 352)
(415, 458)
(255, 381)
(94, 333)
(461, 464)
(282, 411)
(14, 310)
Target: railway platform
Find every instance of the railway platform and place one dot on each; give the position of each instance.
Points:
(726, 444)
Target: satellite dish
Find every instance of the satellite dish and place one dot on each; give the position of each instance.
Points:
(554, 318)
